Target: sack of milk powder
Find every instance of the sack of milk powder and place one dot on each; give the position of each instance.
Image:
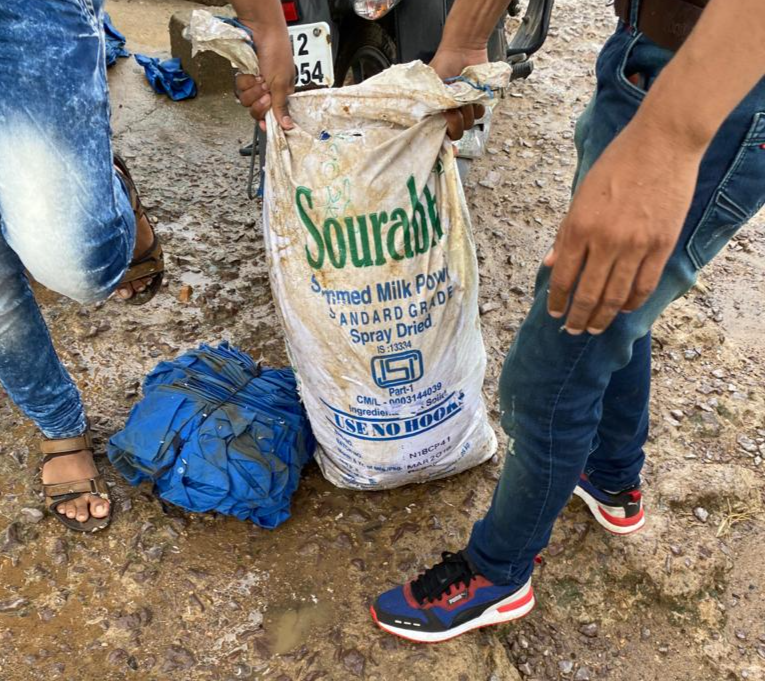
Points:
(373, 269)
(374, 273)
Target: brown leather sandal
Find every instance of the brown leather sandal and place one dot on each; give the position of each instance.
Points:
(57, 493)
(151, 263)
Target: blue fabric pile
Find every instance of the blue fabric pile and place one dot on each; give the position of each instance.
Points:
(167, 77)
(115, 42)
(216, 432)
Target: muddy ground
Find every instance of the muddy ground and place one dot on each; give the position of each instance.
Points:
(164, 594)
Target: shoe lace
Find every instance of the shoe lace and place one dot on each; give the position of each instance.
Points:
(453, 570)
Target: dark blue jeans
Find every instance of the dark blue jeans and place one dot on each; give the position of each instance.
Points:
(65, 216)
(580, 403)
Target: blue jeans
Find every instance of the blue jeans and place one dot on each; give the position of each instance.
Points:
(574, 404)
(65, 217)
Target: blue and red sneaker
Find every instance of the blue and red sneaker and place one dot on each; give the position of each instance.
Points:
(619, 512)
(448, 600)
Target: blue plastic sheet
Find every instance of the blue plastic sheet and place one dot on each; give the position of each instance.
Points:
(167, 77)
(115, 42)
(216, 432)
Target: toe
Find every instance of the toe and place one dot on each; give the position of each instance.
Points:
(125, 292)
(70, 509)
(82, 509)
(99, 508)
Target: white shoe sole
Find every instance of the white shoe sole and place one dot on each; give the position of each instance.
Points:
(594, 505)
(499, 613)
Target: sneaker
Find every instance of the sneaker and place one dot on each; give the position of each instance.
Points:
(620, 513)
(448, 600)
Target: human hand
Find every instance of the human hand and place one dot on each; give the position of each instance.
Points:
(449, 63)
(621, 228)
(276, 81)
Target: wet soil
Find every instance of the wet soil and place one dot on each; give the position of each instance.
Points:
(164, 594)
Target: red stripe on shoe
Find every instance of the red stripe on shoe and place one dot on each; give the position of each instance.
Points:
(519, 603)
(621, 522)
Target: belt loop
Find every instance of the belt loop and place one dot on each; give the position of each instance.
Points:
(634, 12)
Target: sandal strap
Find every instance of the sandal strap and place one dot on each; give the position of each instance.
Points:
(67, 445)
(95, 485)
(135, 201)
(152, 262)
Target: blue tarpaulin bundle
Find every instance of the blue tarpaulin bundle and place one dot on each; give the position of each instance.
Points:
(115, 42)
(216, 432)
(167, 77)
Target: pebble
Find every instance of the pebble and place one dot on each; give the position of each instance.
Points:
(525, 669)
(184, 295)
(117, 657)
(589, 630)
(747, 444)
(32, 515)
(354, 662)
(566, 666)
(13, 604)
(10, 539)
(582, 674)
(701, 513)
(491, 180)
(489, 307)
(177, 658)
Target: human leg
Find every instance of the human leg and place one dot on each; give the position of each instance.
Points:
(553, 384)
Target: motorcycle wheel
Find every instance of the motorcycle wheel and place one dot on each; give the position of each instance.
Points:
(366, 50)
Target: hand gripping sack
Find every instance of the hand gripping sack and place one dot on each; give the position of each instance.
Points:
(373, 269)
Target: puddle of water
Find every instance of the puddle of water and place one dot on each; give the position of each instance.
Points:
(287, 629)
(195, 279)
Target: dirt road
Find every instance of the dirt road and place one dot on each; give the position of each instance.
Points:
(169, 595)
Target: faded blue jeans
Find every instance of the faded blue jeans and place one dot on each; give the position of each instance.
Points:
(573, 404)
(65, 217)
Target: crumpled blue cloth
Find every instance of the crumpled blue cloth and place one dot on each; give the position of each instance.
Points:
(167, 77)
(115, 42)
(216, 432)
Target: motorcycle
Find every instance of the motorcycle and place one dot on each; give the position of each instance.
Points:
(343, 42)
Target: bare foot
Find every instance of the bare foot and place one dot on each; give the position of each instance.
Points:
(76, 466)
(143, 241)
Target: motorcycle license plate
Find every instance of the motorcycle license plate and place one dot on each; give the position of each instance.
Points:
(312, 50)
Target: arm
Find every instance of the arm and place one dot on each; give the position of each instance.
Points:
(277, 69)
(463, 43)
(626, 216)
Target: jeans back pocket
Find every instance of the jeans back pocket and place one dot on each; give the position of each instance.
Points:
(735, 201)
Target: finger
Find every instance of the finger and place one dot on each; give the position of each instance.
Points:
(279, 94)
(244, 81)
(615, 294)
(550, 258)
(589, 291)
(568, 262)
(479, 110)
(251, 95)
(468, 116)
(455, 125)
(646, 281)
(259, 109)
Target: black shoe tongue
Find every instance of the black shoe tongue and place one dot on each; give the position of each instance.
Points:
(435, 581)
